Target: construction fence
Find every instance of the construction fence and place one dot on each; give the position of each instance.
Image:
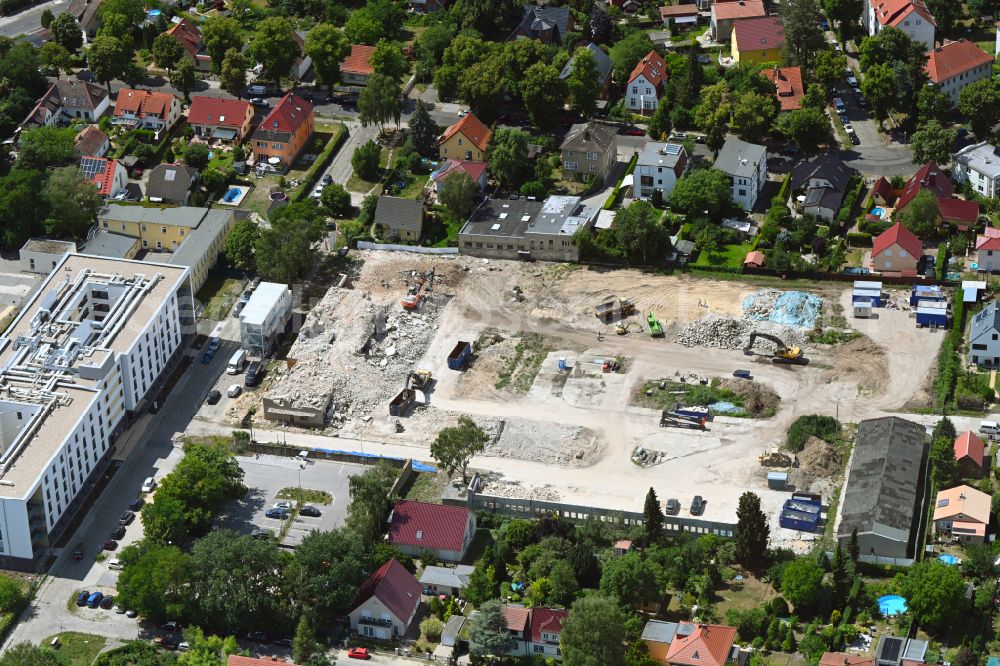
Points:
(392, 247)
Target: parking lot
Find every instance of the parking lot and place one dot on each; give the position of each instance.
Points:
(266, 475)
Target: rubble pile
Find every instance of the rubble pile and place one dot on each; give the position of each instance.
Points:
(494, 485)
(551, 443)
(791, 308)
(647, 458)
(725, 333)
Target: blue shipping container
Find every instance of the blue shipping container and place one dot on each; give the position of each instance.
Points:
(932, 317)
(800, 515)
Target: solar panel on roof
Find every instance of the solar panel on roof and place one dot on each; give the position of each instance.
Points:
(891, 647)
(672, 149)
(91, 166)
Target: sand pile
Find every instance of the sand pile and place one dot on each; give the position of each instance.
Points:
(757, 398)
(819, 458)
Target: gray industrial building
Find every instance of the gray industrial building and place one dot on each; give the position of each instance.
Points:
(885, 491)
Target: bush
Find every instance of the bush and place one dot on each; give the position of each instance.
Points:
(941, 263)
(431, 628)
(533, 188)
(804, 427)
(856, 239)
(365, 160)
(336, 199)
(196, 155)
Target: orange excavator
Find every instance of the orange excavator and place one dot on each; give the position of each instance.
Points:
(417, 293)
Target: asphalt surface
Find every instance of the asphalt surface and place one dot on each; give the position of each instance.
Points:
(30, 19)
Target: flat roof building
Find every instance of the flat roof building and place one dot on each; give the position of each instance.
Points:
(264, 317)
(85, 355)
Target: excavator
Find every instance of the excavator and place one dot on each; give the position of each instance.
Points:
(782, 353)
(624, 327)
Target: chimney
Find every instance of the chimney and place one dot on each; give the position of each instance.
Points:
(586, 134)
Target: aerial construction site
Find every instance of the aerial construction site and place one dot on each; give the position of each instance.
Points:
(583, 377)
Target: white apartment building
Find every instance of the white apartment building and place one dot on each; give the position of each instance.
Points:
(746, 164)
(83, 354)
(955, 65)
(658, 167)
(978, 164)
(911, 16)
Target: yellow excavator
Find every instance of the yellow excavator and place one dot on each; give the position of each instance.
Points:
(624, 327)
(782, 352)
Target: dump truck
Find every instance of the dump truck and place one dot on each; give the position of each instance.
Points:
(615, 308)
(459, 355)
(782, 353)
(655, 330)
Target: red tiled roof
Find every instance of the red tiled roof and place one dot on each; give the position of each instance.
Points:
(144, 103)
(652, 67)
(992, 232)
(358, 60)
(472, 128)
(928, 176)
(844, 659)
(958, 210)
(893, 12)
(433, 526)
(395, 587)
(953, 59)
(287, 115)
(738, 10)
(471, 167)
(788, 86)
(548, 620)
(759, 34)
(987, 243)
(518, 618)
(756, 257)
(217, 112)
(104, 180)
(968, 444)
(897, 234)
(706, 645)
(883, 188)
(239, 660)
(187, 34)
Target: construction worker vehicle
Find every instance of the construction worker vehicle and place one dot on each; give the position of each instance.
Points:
(655, 329)
(782, 354)
(774, 458)
(421, 287)
(624, 327)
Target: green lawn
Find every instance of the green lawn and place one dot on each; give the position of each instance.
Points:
(728, 255)
(220, 160)
(219, 294)
(76, 649)
(358, 184)
(854, 257)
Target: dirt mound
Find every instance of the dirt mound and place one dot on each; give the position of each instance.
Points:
(757, 398)
(819, 459)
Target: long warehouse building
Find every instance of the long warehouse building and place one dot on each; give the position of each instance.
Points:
(78, 363)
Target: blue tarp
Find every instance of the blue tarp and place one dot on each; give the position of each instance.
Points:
(791, 308)
(417, 466)
(725, 408)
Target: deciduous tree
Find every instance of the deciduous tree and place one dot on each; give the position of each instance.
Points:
(107, 58)
(455, 446)
(808, 128)
(240, 243)
(273, 47)
(932, 104)
(626, 53)
(327, 570)
(980, 103)
(639, 233)
(370, 502)
(844, 12)
(594, 633)
(508, 156)
(878, 89)
(365, 160)
(182, 77)
(45, 146)
(233, 76)
(481, 86)
(66, 32)
(583, 83)
(702, 190)
(73, 203)
(380, 102)
(932, 143)
(630, 579)
(388, 59)
(284, 252)
(220, 34)
(155, 581)
(828, 67)
(55, 58)
(921, 216)
(802, 583)
(543, 92)
(336, 200)
(166, 51)
(327, 47)
(803, 36)
(753, 116)
(935, 594)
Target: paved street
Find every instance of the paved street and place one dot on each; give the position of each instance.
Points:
(30, 19)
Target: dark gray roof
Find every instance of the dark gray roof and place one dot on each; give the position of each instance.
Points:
(824, 197)
(108, 244)
(601, 59)
(828, 166)
(661, 632)
(739, 158)
(193, 248)
(589, 137)
(986, 321)
(884, 481)
(506, 218)
(399, 213)
(171, 182)
(538, 18)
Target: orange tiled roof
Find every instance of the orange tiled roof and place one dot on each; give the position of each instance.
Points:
(788, 86)
(954, 58)
(893, 12)
(652, 67)
(358, 60)
(472, 128)
(706, 645)
(738, 10)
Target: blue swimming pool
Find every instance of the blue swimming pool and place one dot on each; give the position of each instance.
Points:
(153, 13)
(950, 560)
(232, 194)
(891, 604)
(878, 211)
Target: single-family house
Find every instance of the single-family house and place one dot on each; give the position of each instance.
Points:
(682, 16)
(589, 150)
(535, 631)
(970, 452)
(171, 183)
(788, 86)
(882, 192)
(657, 169)
(758, 40)
(400, 218)
(223, 119)
(884, 488)
(978, 164)
(66, 100)
(955, 65)
(91, 141)
(988, 251)
(845, 659)
(147, 109)
(444, 530)
(356, 67)
(896, 250)
(746, 165)
(900, 651)
(602, 61)
(645, 84)
(984, 337)
(86, 13)
(725, 14)
(910, 16)
(658, 635)
(702, 645)
(42, 255)
(963, 214)
(478, 172)
(108, 175)
(445, 580)
(466, 139)
(284, 132)
(824, 179)
(386, 603)
(188, 36)
(545, 23)
(962, 514)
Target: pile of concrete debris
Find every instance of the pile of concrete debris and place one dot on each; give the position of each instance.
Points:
(541, 441)
(493, 484)
(646, 457)
(725, 333)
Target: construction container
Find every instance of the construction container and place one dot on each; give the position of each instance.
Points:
(932, 313)
(873, 296)
(863, 309)
(693, 411)
(926, 292)
(802, 515)
(459, 355)
(777, 480)
(401, 404)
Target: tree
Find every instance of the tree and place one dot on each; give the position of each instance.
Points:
(932, 143)
(600, 25)
(906, 60)
(802, 583)
(55, 58)
(365, 160)
(457, 193)
(753, 115)
(932, 104)
(481, 86)
(484, 15)
(26, 654)
(182, 77)
(220, 34)
(423, 130)
(828, 68)
(73, 203)
(132, 11)
(488, 635)
(107, 57)
(814, 97)
(935, 594)
(944, 467)
(808, 128)
(752, 532)
(196, 155)
(921, 215)
(45, 146)
(629, 579)
(66, 32)
(878, 88)
(659, 124)
(380, 102)
(841, 578)
(166, 51)
(702, 190)
(639, 234)
(155, 581)
(274, 48)
(164, 521)
(853, 549)
(844, 12)
(454, 446)
(707, 241)
(803, 35)
(626, 54)
(945, 13)
(388, 59)
(370, 502)
(652, 516)
(233, 76)
(363, 28)
(543, 92)
(285, 251)
(46, 18)
(240, 244)
(980, 103)
(20, 215)
(594, 633)
(327, 571)
(304, 643)
(336, 200)
(508, 156)
(327, 47)
(583, 83)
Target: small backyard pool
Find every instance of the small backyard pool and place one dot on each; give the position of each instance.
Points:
(891, 604)
(878, 212)
(234, 195)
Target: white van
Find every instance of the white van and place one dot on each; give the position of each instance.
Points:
(237, 362)
(115, 564)
(989, 427)
(257, 91)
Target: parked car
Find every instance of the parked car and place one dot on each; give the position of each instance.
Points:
(213, 397)
(94, 600)
(257, 637)
(183, 646)
(261, 533)
(126, 518)
(214, 343)
(149, 484)
(118, 533)
(234, 390)
(309, 510)
(78, 551)
(854, 139)
(280, 514)
(283, 504)
(327, 179)
(633, 131)
(110, 544)
(130, 613)
(697, 505)
(165, 642)
(207, 357)
(851, 80)
(81, 598)
(672, 507)
(171, 626)
(107, 602)
(742, 374)
(120, 610)
(259, 101)
(136, 504)
(358, 653)
(317, 193)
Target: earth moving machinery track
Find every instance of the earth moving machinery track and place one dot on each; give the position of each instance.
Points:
(782, 352)
(655, 329)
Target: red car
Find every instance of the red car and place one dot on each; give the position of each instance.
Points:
(358, 653)
(633, 131)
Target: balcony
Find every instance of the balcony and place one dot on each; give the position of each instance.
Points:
(375, 622)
